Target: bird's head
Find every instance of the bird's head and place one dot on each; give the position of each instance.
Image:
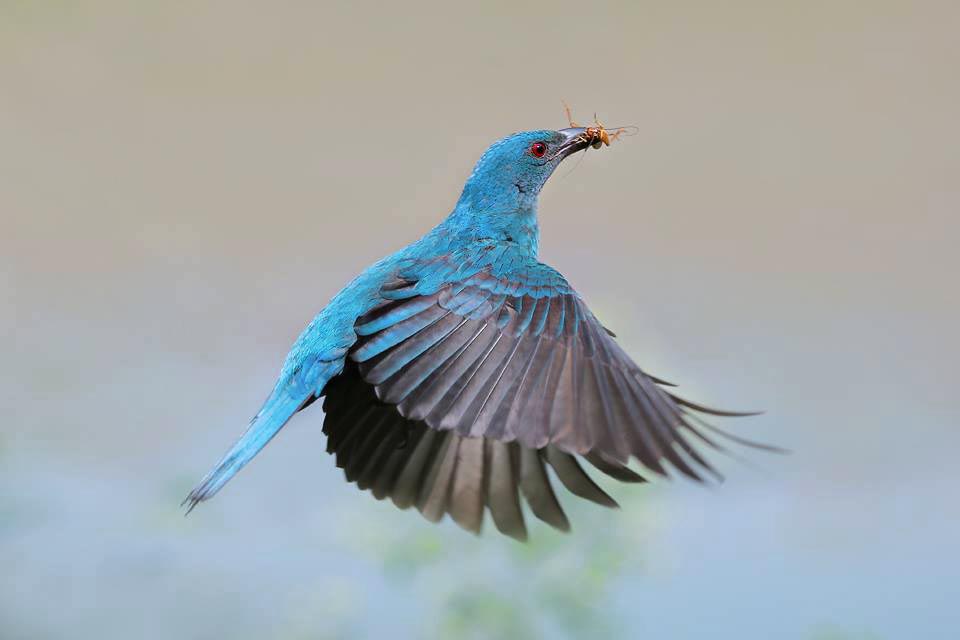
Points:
(510, 174)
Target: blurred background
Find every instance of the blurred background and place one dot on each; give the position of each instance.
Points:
(183, 185)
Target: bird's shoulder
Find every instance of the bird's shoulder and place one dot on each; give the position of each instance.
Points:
(501, 268)
(481, 276)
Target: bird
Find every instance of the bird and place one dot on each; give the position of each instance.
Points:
(456, 372)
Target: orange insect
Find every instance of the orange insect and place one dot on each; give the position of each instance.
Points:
(597, 135)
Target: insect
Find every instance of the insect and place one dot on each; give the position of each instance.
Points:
(598, 135)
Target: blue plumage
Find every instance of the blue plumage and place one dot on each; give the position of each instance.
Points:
(458, 368)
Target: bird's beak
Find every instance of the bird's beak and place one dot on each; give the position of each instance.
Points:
(575, 139)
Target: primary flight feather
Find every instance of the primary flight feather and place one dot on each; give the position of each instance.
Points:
(455, 371)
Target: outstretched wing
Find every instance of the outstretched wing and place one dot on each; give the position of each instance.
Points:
(485, 352)
(513, 354)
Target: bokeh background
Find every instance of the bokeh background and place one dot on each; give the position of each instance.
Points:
(183, 185)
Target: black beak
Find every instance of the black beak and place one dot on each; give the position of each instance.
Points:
(575, 139)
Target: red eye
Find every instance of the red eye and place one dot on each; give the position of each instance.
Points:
(538, 149)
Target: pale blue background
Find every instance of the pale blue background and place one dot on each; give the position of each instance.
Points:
(183, 186)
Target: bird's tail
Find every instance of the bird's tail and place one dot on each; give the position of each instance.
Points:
(276, 411)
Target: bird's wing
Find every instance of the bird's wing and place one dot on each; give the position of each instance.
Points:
(478, 371)
(482, 345)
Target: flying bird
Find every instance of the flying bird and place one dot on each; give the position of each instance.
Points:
(456, 371)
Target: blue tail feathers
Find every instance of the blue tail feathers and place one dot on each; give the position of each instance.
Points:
(286, 399)
(275, 413)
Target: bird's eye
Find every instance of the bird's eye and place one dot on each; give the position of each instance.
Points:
(538, 149)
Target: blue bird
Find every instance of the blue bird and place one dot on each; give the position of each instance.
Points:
(455, 371)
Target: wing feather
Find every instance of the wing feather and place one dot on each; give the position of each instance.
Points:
(536, 488)
(503, 498)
